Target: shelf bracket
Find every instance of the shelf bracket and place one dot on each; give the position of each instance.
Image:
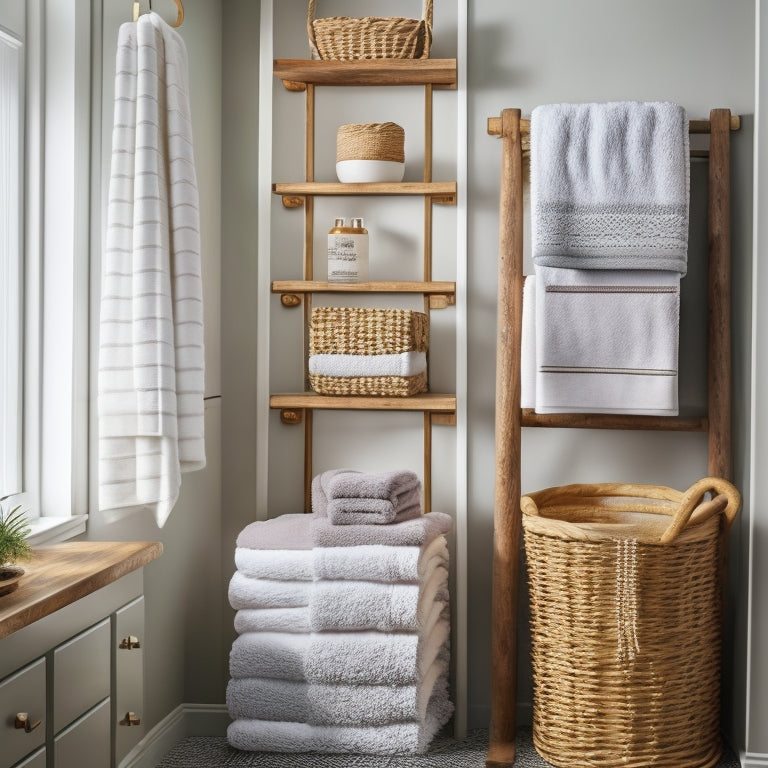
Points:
(444, 199)
(290, 299)
(293, 201)
(441, 300)
(294, 85)
(443, 419)
(292, 416)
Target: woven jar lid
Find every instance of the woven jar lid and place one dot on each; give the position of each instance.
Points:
(371, 141)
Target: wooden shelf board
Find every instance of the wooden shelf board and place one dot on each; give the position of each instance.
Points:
(429, 401)
(301, 188)
(436, 72)
(614, 421)
(317, 286)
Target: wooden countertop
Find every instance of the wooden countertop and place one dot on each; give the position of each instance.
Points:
(60, 574)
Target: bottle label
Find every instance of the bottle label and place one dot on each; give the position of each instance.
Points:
(347, 258)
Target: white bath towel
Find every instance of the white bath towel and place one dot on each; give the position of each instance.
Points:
(278, 564)
(247, 592)
(272, 620)
(318, 704)
(402, 364)
(528, 345)
(339, 658)
(607, 341)
(151, 363)
(378, 562)
(395, 738)
(368, 605)
(610, 186)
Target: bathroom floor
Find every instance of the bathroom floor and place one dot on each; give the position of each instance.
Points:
(446, 752)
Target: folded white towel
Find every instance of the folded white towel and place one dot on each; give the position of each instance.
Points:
(151, 358)
(528, 345)
(607, 341)
(317, 704)
(368, 605)
(247, 592)
(279, 564)
(395, 738)
(610, 186)
(378, 562)
(402, 364)
(272, 620)
(339, 658)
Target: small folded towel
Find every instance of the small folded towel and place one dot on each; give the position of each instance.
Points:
(272, 620)
(284, 532)
(318, 704)
(414, 532)
(607, 341)
(402, 364)
(247, 592)
(277, 564)
(378, 562)
(367, 605)
(366, 511)
(384, 485)
(411, 737)
(339, 658)
(610, 186)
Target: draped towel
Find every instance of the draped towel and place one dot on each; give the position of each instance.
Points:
(151, 365)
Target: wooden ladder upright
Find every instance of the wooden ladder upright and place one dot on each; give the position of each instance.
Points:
(515, 134)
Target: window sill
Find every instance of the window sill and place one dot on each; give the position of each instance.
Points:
(51, 530)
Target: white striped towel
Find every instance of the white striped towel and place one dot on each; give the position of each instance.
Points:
(151, 365)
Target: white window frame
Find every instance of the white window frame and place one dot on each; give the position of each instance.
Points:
(56, 279)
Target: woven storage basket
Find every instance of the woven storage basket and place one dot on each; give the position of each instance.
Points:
(343, 38)
(364, 331)
(626, 611)
(371, 141)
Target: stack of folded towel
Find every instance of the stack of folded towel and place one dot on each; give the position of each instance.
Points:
(609, 206)
(343, 622)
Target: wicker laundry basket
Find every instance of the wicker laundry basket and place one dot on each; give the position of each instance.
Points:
(344, 38)
(367, 331)
(626, 616)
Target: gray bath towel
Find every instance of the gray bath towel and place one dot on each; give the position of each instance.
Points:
(366, 511)
(316, 704)
(283, 532)
(610, 186)
(415, 532)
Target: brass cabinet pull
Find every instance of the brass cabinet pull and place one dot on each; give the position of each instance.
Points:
(22, 721)
(130, 719)
(129, 643)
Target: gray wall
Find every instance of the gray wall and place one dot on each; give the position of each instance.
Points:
(699, 53)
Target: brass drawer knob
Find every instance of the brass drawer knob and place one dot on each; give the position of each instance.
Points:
(22, 721)
(130, 719)
(129, 642)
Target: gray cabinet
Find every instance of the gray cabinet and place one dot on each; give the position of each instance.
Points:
(79, 673)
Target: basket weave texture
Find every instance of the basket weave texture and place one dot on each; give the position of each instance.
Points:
(367, 331)
(345, 38)
(626, 617)
(370, 141)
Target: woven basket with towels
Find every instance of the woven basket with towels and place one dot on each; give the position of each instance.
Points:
(367, 351)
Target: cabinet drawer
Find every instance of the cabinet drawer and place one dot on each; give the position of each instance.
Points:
(129, 677)
(80, 674)
(34, 761)
(86, 743)
(22, 692)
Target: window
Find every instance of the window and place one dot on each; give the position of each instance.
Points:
(44, 248)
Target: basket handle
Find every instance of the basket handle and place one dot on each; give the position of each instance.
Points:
(426, 14)
(725, 498)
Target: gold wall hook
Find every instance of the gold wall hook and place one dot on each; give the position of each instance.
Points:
(130, 719)
(22, 721)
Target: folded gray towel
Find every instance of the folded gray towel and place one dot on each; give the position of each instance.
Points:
(383, 485)
(359, 510)
(416, 532)
(283, 532)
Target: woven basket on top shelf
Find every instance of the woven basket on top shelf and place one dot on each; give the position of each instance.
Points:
(345, 38)
(626, 619)
(363, 331)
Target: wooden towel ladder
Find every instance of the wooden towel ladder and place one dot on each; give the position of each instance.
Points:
(515, 133)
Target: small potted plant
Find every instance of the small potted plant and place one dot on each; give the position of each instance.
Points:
(14, 528)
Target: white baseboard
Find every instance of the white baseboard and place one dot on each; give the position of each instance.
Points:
(185, 720)
(754, 760)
